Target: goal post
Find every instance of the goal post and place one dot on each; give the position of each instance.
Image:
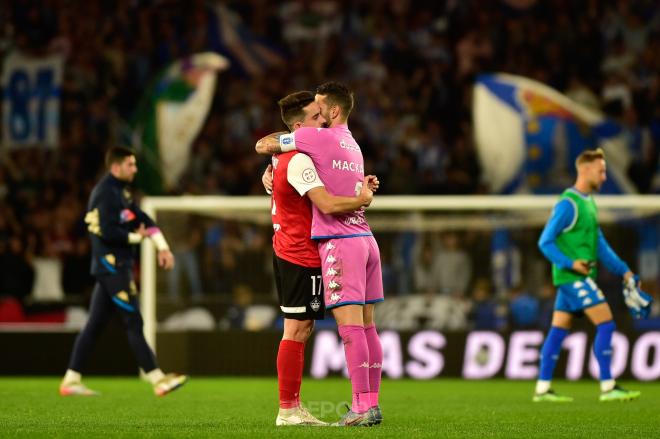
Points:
(191, 204)
(431, 211)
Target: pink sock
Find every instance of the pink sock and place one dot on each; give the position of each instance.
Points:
(375, 362)
(357, 359)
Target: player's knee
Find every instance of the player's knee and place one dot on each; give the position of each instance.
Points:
(298, 330)
(304, 331)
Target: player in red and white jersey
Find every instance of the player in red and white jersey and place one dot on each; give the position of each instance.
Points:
(294, 182)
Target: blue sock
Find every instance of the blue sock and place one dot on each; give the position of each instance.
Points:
(603, 348)
(550, 352)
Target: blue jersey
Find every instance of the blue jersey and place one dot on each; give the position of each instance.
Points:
(581, 294)
(111, 216)
(562, 217)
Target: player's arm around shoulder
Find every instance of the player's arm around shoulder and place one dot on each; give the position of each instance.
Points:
(305, 139)
(271, 144)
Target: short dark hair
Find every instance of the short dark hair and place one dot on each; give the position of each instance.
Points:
(589, 155)
(338, 94)
(117, 154)
(292, 107)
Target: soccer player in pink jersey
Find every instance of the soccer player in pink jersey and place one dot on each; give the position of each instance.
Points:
(292, 180)
(350, 258)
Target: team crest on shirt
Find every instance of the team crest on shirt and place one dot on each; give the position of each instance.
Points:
(126, 216)
(315, 304)
(127, 195)
(309, 175)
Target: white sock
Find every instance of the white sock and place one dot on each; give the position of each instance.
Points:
(155, 375)
(607, 385)
(542, 386)
(71, 376)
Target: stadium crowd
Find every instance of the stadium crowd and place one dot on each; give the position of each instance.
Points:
(412, 65)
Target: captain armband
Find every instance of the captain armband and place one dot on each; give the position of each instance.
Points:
(287, 142)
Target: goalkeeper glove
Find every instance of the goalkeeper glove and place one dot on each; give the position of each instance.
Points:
(637, 301)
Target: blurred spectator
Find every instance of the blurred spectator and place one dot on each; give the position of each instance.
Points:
(75, 273)
(486, 312)
(441, 266)
(546, 296)
(453, 265)
(402, 262)
(505, 261)
(523, 309)
(184, 237)
(425, 274)
(245, 314)
(17, 274)
(234, 318)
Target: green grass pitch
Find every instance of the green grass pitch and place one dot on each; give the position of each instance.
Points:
(246, 407)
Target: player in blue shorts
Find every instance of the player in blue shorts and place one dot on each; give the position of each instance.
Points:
(573, 241)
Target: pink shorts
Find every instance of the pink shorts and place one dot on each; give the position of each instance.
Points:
(351, 271)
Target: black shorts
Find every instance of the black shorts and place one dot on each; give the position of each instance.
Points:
(299, 290)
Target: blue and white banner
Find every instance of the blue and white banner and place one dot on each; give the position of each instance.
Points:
(247, 52)
(31, 100)
(528, 136)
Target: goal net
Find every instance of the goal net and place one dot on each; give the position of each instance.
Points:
(440, 255)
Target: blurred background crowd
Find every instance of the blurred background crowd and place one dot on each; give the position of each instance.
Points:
(412, 65)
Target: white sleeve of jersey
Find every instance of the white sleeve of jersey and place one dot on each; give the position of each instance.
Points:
(302, 175)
